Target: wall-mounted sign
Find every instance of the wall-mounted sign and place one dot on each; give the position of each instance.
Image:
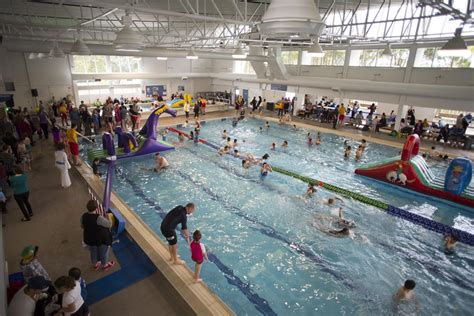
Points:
(155, 90)
(279, 87)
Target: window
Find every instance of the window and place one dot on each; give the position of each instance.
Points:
(331, 58)
(105, 64)
(289, 57)
(243, 67)
(375, 58)
(428, 58)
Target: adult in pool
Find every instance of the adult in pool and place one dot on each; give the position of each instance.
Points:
(246, 164)
(160, 163)
(223, 150)
(177, 215)
(338, 233)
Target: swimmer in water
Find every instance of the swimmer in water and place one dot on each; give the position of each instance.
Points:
(285, 144)
(344, 222)
(229, 142)
(235, 143)
(406, 293)
(359, 152)
(310, 142)
(267, 125)
(236, 153)
(347, 152)
(294, 127)
(224, 134)
(160, 163)
(338, 233)
(363, 144)
(450, 242)
(310, 190)
(308, 135)
(246, 164)
(261, 129)
(265, 169)
(223, 150)
(181, 137)
(318, 141)
(346, 143)
(273, 146)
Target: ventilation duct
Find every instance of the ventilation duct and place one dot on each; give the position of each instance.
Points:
(295, 19)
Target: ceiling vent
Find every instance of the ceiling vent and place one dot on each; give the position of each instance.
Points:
(291, 19)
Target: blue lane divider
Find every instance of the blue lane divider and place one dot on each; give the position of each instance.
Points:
(427, 223)
(134, 266)
(246, 288)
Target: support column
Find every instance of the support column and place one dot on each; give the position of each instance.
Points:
(400, 109)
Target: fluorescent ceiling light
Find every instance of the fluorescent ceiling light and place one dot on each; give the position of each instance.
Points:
(32, 56)
(56, 51)
(191, 54)
(162, 58)
(316, 50)
(128, 40)
(79, 48)
(455, 47)
(42, 56)
(387, 51)
(239, 53)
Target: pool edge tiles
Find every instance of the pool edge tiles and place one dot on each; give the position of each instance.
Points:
(197, 297)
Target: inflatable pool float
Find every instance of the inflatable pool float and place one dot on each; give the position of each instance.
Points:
(410, 171)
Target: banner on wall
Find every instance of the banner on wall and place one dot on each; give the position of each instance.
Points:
(155, 90)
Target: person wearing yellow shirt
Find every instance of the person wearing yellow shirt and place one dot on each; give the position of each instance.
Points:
(342, 113)
(63, 114)
(71, 135)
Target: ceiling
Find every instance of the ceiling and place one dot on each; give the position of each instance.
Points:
(219, 23)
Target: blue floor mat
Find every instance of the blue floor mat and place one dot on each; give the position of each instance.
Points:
(134, 266)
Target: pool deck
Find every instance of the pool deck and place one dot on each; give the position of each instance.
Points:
(55, 229)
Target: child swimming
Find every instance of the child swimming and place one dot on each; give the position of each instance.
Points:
(267, 125)
(234, 144)
(310, 142)
(95, 167)
(236, 153)
(246, 164)
(285, 144)
(450, 244)
(224, 134)
(310, 190)
(223, 150)
(265, 169)
(359, 152)
(347, 152)
(229, 142)
(181, 137)
(404, 295)
(198, 254)
(273, 146)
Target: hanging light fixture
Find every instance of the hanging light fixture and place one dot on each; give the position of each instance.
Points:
(32, 56)
(128, 40)
(56, 51)
(239, 53)
(191, 54)
(161, 58)
(79, 48)
(42, 56)
(294, 19)
(316, 50)
(455, 47)
(387, 51)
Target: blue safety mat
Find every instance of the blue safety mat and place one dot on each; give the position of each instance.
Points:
(134, 266)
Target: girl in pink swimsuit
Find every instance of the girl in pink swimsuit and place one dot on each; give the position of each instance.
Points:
(198, 254)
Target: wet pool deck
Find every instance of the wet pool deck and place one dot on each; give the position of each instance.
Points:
(55, 229)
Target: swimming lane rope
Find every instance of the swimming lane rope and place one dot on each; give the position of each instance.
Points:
(427, 223)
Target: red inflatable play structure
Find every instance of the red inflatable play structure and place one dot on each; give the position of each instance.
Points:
(410, 171)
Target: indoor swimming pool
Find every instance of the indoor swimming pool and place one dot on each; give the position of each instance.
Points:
(268, 254)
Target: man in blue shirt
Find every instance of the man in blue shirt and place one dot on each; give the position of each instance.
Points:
(176, 216)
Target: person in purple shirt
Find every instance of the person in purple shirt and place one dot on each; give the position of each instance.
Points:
(43, 120)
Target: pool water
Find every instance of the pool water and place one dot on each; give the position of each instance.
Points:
(267, 252)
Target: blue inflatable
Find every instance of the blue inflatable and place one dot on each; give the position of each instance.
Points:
(458, 175)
